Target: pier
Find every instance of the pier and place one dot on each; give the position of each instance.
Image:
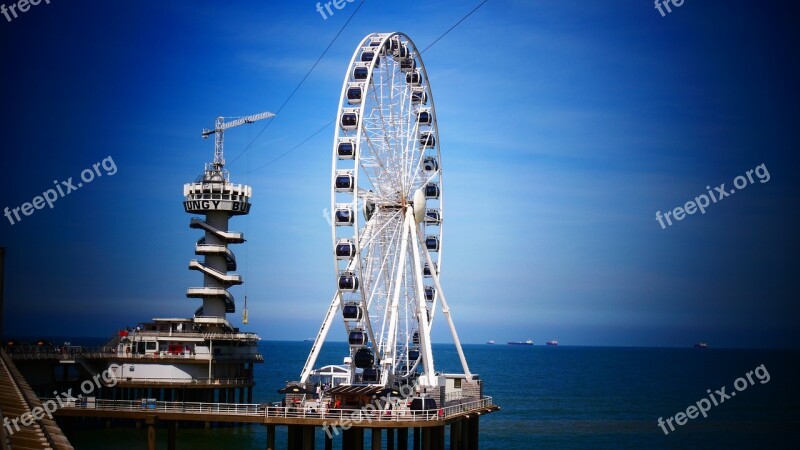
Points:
(160, 405)
(428, 426)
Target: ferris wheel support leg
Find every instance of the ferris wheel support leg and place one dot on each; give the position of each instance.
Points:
(446, 310)
(391, 347)
(422, 318)
(323, 333)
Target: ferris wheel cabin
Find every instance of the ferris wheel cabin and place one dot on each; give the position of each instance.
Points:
(433, 217)
(348, 281)
(344, 182)
(414, 78)
(357, 337)
(424, 118)
(430, 164)
(351, 311)
(364, 358)
(346, 149)
(349, 119)
(345, 249)
(361, 72)
(343, 216)
(355, 93)
(419, 97)
(430, 293)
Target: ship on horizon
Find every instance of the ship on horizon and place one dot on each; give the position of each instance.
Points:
(528, 342)
(552, 343)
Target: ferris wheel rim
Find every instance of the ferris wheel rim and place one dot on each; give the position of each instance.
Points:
(355, 264)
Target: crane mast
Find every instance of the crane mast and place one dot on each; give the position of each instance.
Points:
(220, 126)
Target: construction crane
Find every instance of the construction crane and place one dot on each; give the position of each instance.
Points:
(220, 126)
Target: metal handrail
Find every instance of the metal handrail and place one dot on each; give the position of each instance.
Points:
(3, 436)
(103, 352)
(27, 396)
(194, 381)
(403, 414)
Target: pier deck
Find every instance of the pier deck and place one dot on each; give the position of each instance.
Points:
(274, 415)
(428, 425)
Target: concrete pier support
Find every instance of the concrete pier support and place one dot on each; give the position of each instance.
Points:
(172, 428)
(427, 438)
(358, 444)
(308, 438)
(437, 438)
(353, 439)
(347, 439)
(474, 432)
(464, 441)
(270, 437)
(455, 435)
(390, 439)
(402, 439)
(295, 439)
(377, 441)
(150, 422)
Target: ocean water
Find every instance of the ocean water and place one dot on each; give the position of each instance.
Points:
(562, 398)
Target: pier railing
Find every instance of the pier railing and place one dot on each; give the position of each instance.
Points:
(367, 414)
(187, 381)
(108, 353)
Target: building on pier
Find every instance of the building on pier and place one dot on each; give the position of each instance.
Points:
(200, 358)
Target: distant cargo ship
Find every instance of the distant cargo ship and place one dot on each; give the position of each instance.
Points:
(490, 342)
(552, 342)
(701, 345)
(528, 342)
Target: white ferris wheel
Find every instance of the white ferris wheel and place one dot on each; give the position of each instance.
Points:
(386, 210)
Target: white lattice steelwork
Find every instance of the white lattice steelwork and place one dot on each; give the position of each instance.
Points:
(386, 213)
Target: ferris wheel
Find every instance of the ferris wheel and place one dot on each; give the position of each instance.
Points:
(386, 215)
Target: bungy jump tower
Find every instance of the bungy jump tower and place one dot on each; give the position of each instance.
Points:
(203, 358)
(205, 352)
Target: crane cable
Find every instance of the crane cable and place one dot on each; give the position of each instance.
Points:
(285, 102)
(332, 121)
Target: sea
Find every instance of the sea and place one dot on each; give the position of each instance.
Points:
(561, 397)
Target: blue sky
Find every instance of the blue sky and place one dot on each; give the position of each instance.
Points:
(565, 125)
